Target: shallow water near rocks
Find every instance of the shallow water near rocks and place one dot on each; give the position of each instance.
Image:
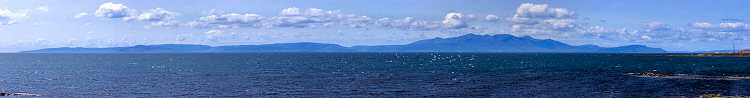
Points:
(366, 75)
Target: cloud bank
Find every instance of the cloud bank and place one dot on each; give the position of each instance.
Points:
(291, 17)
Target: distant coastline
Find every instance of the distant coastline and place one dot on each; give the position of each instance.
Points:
(699, 55)
(465, 43)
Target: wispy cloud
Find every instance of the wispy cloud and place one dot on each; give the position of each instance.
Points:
(655, 26)
(42, 8)
(79, 15)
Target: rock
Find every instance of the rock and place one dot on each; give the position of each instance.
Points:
(652, 75)
(16, 94)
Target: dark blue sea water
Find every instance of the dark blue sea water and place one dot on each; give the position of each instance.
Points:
(366, 75)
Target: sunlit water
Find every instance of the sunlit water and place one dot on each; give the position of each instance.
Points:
(366, 75)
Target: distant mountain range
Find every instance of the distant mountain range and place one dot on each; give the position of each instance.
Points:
(465, 43)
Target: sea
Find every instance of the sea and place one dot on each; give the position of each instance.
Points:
(379, 74)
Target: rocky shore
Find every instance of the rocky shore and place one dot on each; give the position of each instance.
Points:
(719, 96)
(694, 55)
(683, 76)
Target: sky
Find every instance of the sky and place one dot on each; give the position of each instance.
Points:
(673, 25)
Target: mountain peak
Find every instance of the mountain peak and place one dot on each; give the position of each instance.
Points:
(502, 36)
(634, 46)
(471, 34)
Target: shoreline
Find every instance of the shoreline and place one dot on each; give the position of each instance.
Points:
(695, 55)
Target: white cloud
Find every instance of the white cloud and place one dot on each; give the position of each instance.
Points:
(492, 18)
(655, 26)
(79, 15)
(42, 8)
(112, 10)
(80, 42)
(290, 11)
(159, 17)
(541, 19)
(163, 23)
(701, 25)
(219, 36)
(528, 10)
(312, 17)
(561, 24)
(657, 32)
(213, 31)
(645, 37)
(450, 21)
(355, 21)
(408, 23)
(456, 20)
(233, 20)
(727, 27)
(158, 14)
(703, 31)
(290, 17)
(8, 17)
(529, 13)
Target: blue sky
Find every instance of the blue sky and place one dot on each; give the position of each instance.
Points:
(674, 25)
